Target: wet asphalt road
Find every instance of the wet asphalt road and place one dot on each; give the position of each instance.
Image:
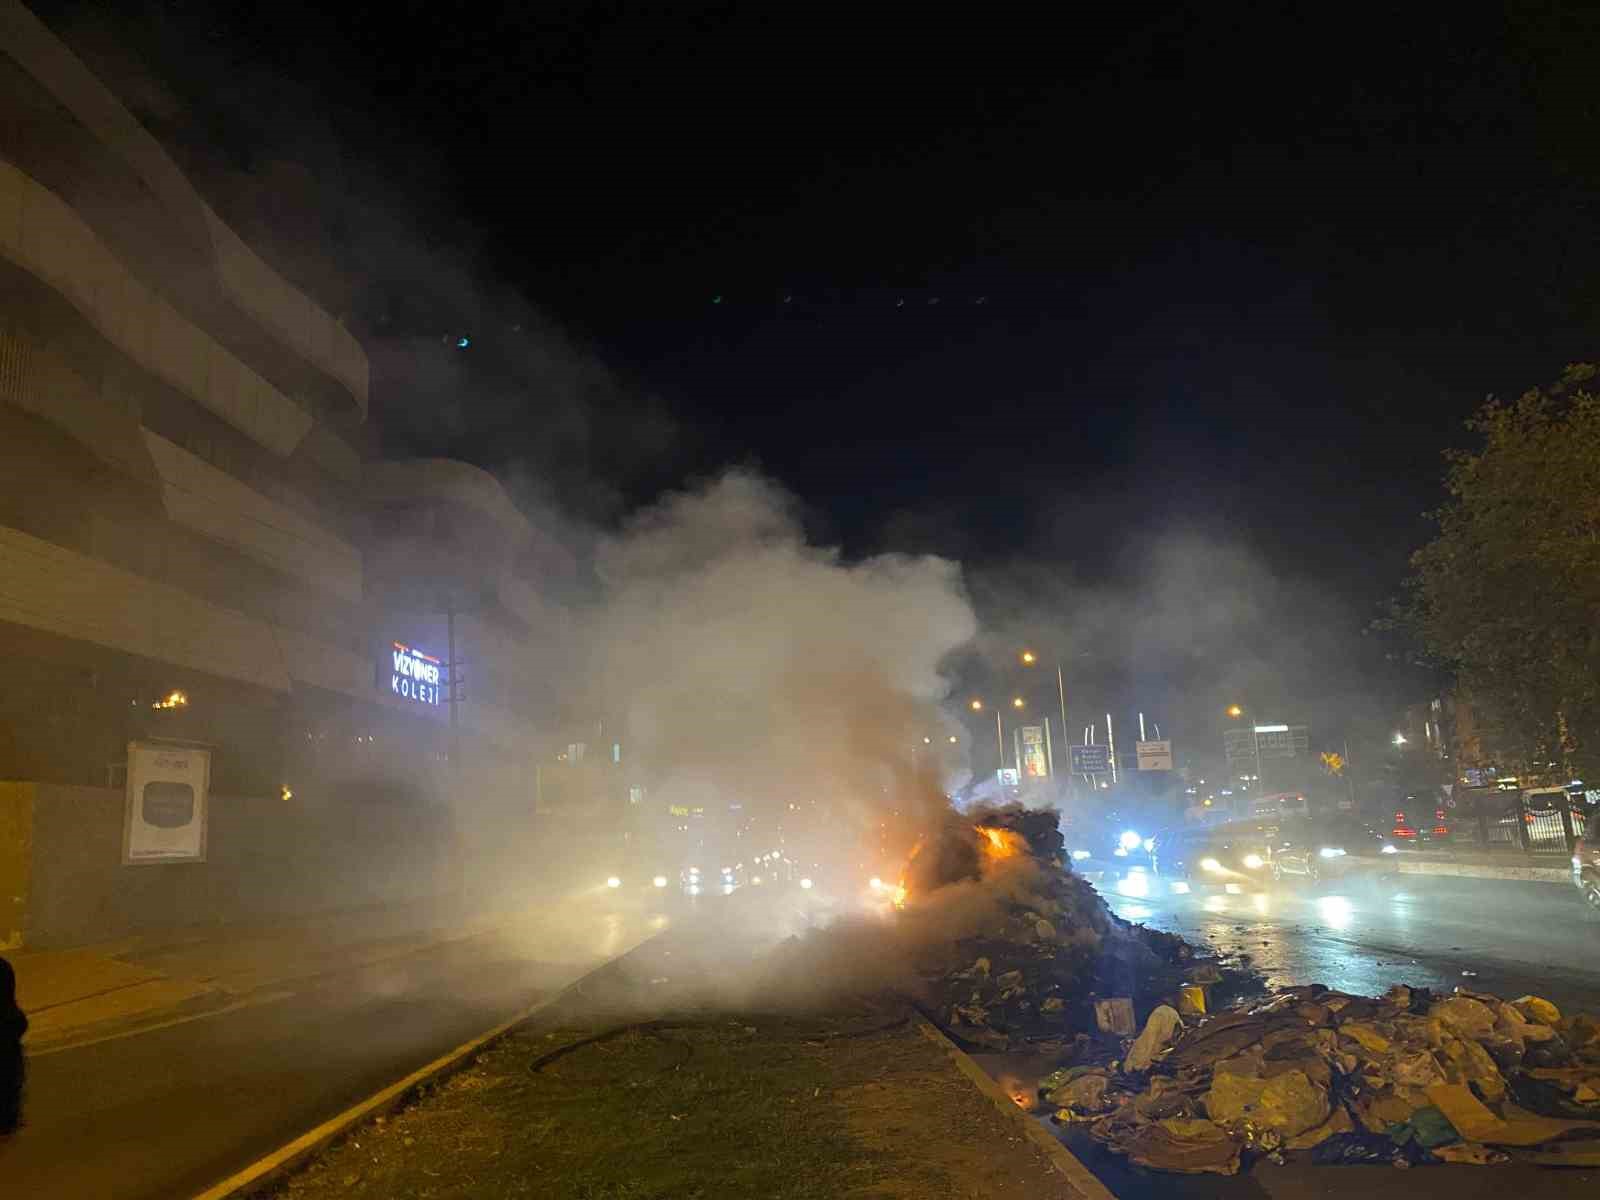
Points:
(1509, 938)
(1516, 938)
(167, 1112)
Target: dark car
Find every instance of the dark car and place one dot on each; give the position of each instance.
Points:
(1420, 817)
(1319, 848)
(1199, 856)
(1106, 842)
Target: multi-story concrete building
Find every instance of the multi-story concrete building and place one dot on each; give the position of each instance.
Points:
(194, 544)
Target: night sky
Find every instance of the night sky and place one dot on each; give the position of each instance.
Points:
(993, 285)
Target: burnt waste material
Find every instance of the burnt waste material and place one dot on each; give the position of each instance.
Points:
(1407, 1079)
(1029, 972)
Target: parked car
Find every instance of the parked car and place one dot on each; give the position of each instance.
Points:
(1237, 853)
(1333, 848)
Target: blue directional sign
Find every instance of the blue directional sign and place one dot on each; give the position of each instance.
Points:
(1090, 760)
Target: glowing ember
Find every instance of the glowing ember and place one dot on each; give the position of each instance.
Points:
(1023, 1097)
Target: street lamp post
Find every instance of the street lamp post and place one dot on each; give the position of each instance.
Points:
(1238, 711)
(999, 735)
(1029, 658)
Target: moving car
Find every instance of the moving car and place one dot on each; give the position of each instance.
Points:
(1218, 856)
(1106, 843)
(1332, 847)
(1420, 817)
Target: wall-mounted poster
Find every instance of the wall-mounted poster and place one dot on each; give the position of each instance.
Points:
(168, 791)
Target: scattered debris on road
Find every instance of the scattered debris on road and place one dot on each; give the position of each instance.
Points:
(1407, 1079)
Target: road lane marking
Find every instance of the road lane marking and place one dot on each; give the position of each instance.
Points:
(247, 1002)
(291, 1155)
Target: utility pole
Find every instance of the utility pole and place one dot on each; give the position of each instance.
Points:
(1111, 748)
(1061, 690)
(455, 720)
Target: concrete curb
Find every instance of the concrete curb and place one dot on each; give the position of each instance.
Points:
(1078, 1176)
(294, 1154)
(1480, 871)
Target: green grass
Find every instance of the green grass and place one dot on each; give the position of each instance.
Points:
(718, 1110)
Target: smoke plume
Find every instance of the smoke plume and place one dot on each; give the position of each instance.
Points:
(754, 669)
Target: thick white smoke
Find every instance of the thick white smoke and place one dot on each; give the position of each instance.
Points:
(754, 668)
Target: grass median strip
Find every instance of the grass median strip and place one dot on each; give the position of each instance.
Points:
(812, 1108)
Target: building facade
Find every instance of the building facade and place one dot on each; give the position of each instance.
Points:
(195, 543)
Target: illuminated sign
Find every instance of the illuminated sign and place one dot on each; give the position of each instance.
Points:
(1035, 763)
(414, 675)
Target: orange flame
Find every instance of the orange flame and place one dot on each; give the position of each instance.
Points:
(999, 843)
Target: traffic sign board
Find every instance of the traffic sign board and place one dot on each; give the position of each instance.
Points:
(1090, 760)
(1154, 756)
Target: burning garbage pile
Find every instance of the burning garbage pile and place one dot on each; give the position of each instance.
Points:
(1024, 948)
(1406, 1079)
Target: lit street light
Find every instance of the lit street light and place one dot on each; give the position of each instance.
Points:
(1028, 658)
(999, 734)
(1236, 711)
(1017, 703)
(1399, 739)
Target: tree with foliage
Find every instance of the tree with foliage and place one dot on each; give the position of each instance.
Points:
(1507, 596)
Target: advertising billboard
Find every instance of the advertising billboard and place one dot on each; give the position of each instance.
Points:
(164, 818)
(1035, 764)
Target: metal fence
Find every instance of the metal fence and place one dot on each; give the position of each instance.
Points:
(1540, 823)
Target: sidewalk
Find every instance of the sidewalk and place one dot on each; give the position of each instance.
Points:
(1476, 863)
(92, 992)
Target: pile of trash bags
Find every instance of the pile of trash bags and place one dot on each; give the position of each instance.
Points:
(1407, 1079)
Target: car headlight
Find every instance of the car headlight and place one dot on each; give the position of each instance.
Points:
(1210, 864)
(1130, 840)
(1331, 852)
(806, 883)
(1080, 855)
(1389, 849)
(1254, 861)
(613, 882)
(660, 881)
(875, 884)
